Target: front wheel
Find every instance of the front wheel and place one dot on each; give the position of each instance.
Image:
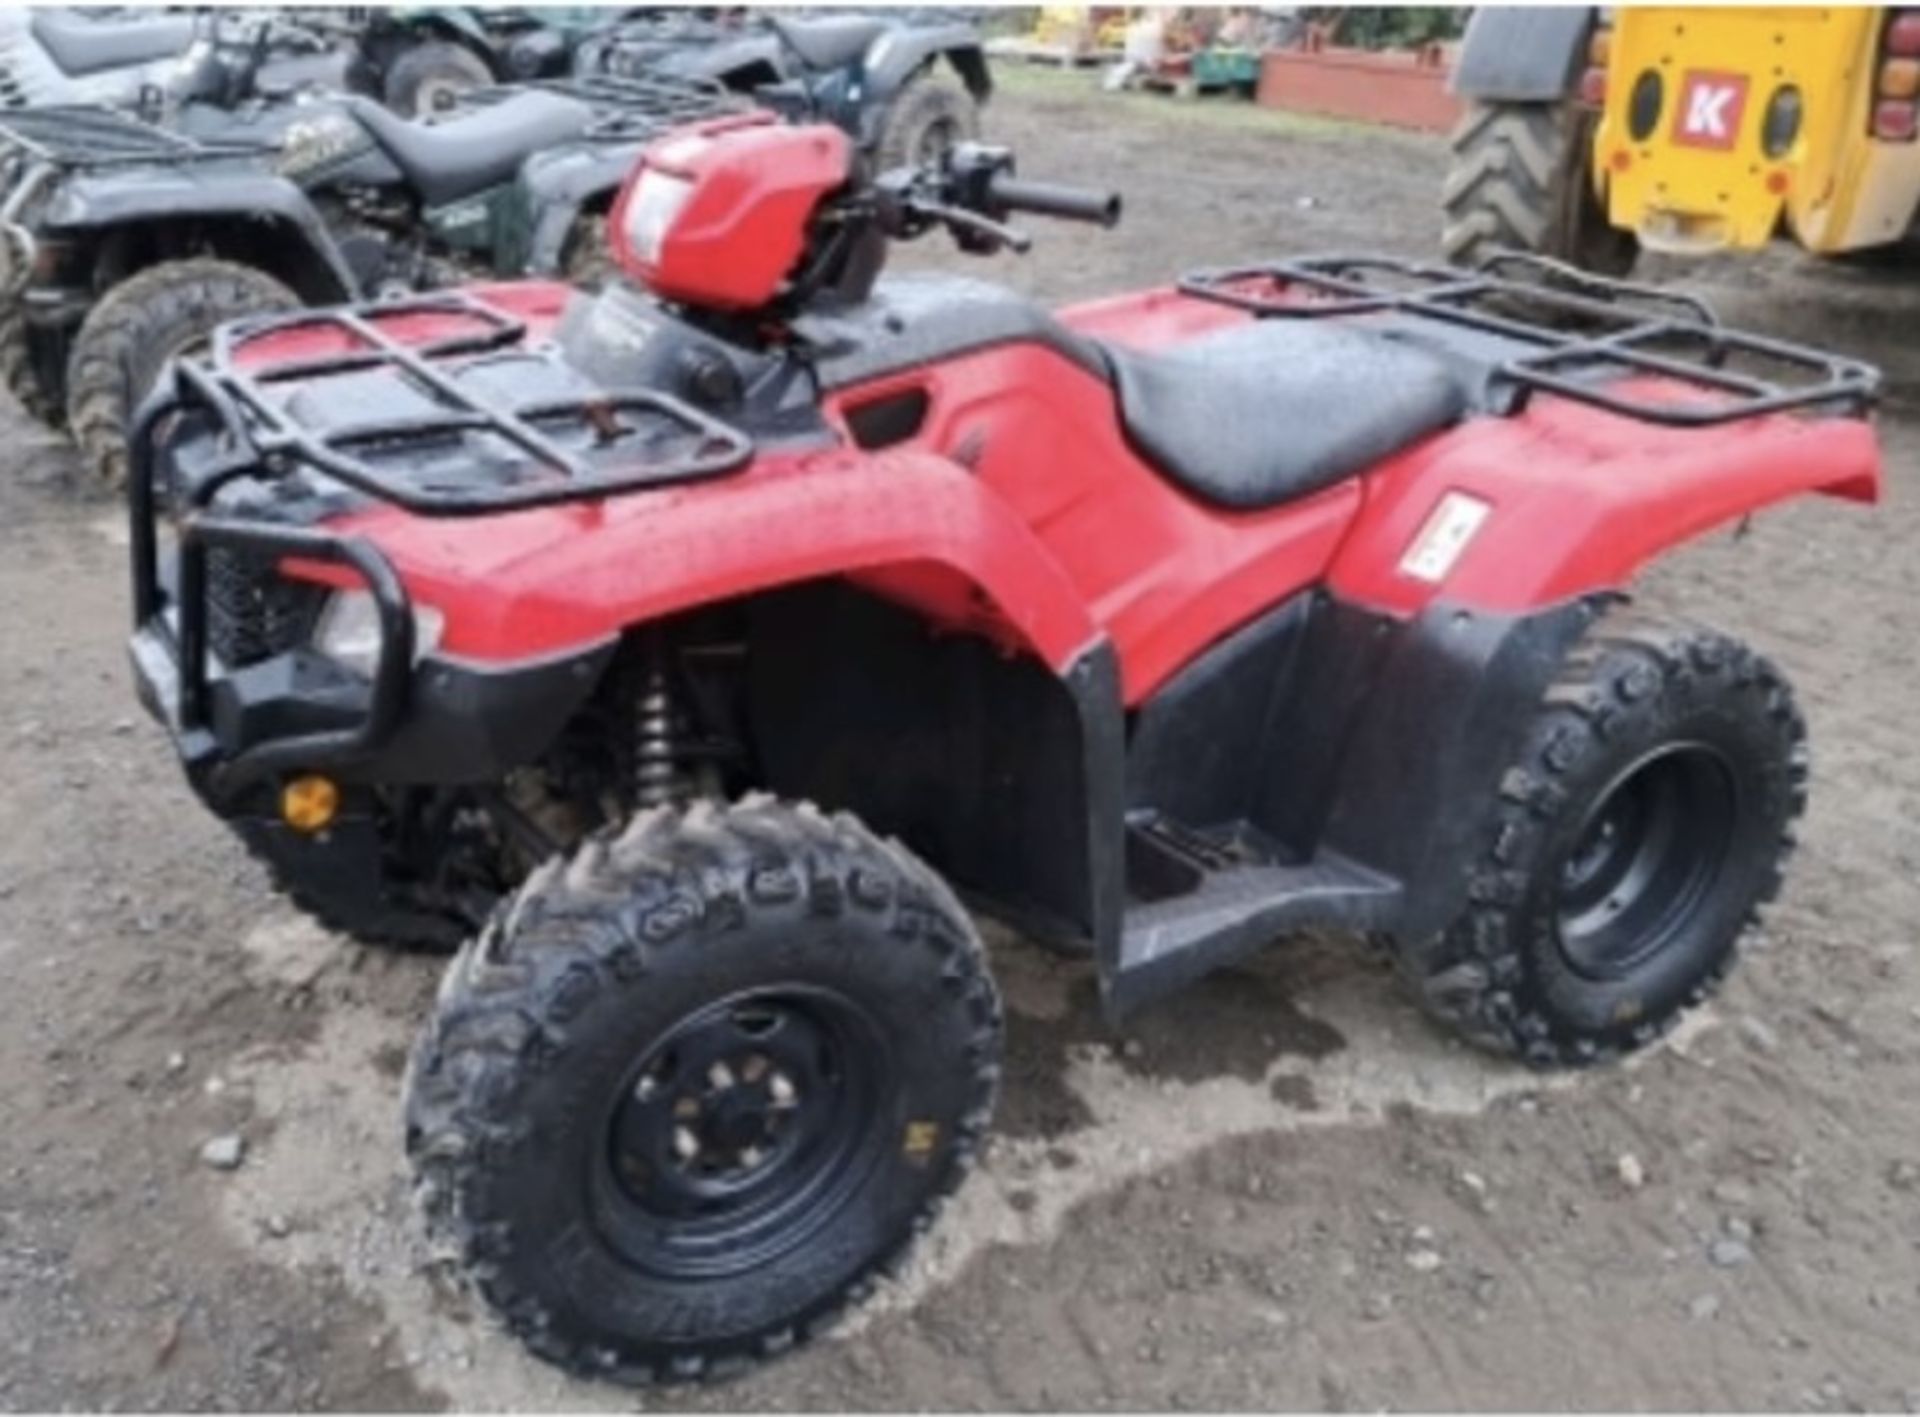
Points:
(19, 375)
(695, 1087)
(925, 121)
(1642, 825)
(140, 325)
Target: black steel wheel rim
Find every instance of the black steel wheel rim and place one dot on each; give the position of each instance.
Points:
(1645, 859)
(741, 1131)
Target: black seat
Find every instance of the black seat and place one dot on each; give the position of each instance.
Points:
(1272, 410)
(80, 45)
(828, 43)
(450, 160)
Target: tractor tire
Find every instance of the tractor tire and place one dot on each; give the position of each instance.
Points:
(1643, 824)
(693, 1089)
(141, 324)
(926, 119)
(22, 380)
(427, 79)
(1519, 181)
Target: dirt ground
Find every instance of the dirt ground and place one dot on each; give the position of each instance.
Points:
(1282, 1190)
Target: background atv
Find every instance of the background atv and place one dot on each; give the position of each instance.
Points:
(419, 60)
(906, 89)
(125, 243)
(146, 59)
(687, 641)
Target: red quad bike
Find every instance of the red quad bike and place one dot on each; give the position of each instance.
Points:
(691, 651)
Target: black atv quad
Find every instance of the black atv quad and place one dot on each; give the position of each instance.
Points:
(134, 57)
(420, 60)
(122, 244)
(905, 88)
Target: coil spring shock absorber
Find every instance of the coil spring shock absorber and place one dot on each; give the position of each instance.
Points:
(657, 779)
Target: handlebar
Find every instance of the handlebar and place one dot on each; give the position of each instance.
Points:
(1012, 194)
(971, 191)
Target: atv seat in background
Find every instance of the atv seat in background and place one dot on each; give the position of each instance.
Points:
(827, 43)
(467, 154)
(1266, 412)
(85, 46)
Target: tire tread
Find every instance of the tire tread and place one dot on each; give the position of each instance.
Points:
(1470, 977)
(618, 909)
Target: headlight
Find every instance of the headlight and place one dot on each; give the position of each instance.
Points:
(348, 631)
(656, 202)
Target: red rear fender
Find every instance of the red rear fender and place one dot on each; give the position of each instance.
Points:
(912, 525)
(1578, 500)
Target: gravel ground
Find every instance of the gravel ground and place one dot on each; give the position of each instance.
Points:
(1281, 1190)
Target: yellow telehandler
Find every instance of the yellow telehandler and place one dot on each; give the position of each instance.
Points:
(1592, 134)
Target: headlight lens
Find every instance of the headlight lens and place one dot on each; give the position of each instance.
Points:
(656, 202)
(348, 631)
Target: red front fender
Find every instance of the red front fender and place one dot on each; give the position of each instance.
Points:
(915, 525)
(1579, 499)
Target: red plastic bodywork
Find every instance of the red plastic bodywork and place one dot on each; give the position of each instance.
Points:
(741, 230)
(1018, 511)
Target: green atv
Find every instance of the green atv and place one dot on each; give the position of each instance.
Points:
(420, 60)
(123, 244)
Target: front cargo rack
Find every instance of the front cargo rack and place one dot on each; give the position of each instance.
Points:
(258, 439)
(628, 428)
(1588, 333)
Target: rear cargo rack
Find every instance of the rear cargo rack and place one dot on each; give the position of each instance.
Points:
(92, 135)
(1590, 333)
(626, 108)
(269, 443)
(639, 108)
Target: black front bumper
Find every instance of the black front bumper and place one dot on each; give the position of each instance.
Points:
(241, 733)
(238, 729)
(446, 723)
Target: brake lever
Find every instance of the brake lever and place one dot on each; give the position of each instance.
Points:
(968, 223)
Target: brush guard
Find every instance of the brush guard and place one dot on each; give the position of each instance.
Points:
(1591, 333)
(258, 441)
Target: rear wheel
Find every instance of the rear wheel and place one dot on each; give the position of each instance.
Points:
(1520, 181)
(1643, 824)
(22, 380)
(140, 325)
(694, 1088)
(428, 79)
(925, 120)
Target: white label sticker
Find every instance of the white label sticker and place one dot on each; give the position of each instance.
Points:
(1444, 536)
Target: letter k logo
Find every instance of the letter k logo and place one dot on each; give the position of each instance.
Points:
(1710, 109)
